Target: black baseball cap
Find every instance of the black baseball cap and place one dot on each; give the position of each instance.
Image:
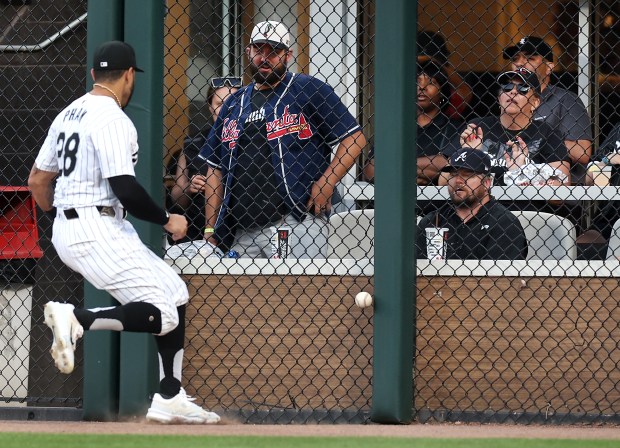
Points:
(115, 55)
(530, 45)
(471, 159)
(527, 77)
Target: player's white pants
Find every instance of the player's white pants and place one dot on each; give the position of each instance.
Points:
(108, 252)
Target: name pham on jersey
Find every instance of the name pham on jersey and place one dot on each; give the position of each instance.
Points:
(74, 114)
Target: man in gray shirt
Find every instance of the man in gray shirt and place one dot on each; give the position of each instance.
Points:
(560, 108)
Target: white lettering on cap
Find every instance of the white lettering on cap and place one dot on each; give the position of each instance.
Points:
(103, 64)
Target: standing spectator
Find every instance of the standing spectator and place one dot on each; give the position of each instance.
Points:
(434, 129)
(559, 108)
(187, 194)
(85, 169)
(271, 154)
(479, 228)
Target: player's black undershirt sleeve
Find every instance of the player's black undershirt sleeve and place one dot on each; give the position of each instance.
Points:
(136, 200)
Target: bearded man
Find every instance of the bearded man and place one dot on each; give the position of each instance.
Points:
(270, 156)
(477, 226)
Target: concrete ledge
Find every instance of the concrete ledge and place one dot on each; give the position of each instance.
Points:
(199, 265)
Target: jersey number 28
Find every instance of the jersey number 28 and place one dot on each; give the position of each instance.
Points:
(67, 150)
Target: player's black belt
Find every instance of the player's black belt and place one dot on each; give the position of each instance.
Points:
(72, 213)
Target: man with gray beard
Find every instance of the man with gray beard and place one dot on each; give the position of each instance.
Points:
(477, 227)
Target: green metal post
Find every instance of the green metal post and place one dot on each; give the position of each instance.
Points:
(101, 348)
(392, 396)
(144, 30)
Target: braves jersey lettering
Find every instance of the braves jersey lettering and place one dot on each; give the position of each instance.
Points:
(304, 120)
(230, 132)
(289, 124)
(257, 115)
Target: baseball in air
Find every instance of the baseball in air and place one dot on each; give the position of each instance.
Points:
(363, 299)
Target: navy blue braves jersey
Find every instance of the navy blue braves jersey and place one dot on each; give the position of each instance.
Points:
(304, 119)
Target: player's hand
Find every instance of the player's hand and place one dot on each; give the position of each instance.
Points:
(177, 226)
(472, 136)
(197, 183)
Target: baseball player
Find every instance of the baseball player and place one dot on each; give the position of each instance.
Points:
(270, 155)
(90, 150)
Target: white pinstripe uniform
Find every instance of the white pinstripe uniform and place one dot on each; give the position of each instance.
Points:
(90, 141)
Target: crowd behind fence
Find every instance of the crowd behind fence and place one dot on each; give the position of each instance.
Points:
(273, 332)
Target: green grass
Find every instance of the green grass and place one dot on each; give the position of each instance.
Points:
(38, 440)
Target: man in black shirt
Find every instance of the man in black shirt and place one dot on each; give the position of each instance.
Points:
(478, 227)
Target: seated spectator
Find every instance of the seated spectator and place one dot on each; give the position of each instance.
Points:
(187, 194)
(478, 227)
(561, 109)
(603, 221)
(523, 151)
(434, 131)
(432, 46)
(607, 154)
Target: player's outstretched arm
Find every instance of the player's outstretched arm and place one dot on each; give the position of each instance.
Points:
(40, 184)
(139, 203)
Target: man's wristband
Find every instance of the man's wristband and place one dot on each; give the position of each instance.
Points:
(209, 230)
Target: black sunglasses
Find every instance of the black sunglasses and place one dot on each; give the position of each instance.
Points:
(217, 83)
(521, 88)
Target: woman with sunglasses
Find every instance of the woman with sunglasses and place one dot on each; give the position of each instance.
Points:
(524, 151)
(187, 193)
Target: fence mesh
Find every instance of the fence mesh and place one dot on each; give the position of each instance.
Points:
(516, 316)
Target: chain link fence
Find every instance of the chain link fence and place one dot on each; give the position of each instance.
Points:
(515, 322)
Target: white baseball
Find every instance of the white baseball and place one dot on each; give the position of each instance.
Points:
(363, 299)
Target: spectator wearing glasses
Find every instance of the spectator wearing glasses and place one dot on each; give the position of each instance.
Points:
(523, 151)
(559, 108)
(271, 155)
(478, 227)
(187, 193)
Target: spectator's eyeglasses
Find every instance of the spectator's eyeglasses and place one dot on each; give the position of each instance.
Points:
(217, 83)
(521, 88)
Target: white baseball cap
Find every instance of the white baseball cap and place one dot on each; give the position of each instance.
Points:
(272, 33)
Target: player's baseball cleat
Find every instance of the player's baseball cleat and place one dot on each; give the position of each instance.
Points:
(179, 409)
(67, 330)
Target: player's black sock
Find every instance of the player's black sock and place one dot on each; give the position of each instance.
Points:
(170, 348)
(138, 317)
